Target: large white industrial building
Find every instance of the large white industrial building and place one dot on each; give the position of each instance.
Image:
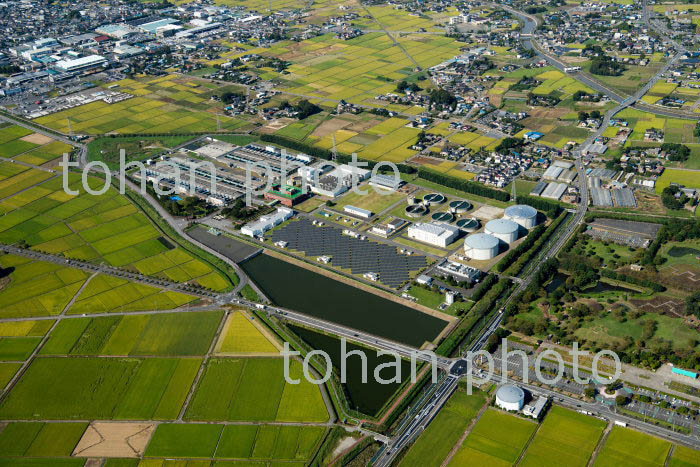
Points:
(504, 229)
(481, 246)
(435, 233)
(522, 214)
(510, 397)
(265, 223)
(82, 63)
(339, 180)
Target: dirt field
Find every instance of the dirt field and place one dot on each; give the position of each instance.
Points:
(329, 127)
(114, 439)
(664, 305)
(488, 213)
(37, 138)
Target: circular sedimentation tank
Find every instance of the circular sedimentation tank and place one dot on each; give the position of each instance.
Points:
(504, 229)
(460, 206)
(468, 225)
(434, 198)
(443, 217)
(416, 210)
(481, 246)
(522, 214)
(510, 397)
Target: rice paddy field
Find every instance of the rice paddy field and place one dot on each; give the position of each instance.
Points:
(230, 390)
(565, 438)
(243, 336)
(357, 69)
(101, 388)
(240, 442)
(166, 104)
(369, 136)
(687, 178)
(433, 446)
(40, 439)
(676, 130)
(626, 447)
(24, 145)
(177, 334)
(497, 439)
(87, 227)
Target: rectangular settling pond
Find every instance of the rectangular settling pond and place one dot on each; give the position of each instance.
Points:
(299, 289)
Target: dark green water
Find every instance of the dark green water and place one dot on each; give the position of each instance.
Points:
(301, 290)
(560, 278)
(366, 397)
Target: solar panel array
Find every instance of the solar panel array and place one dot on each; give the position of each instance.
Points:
(359, 256)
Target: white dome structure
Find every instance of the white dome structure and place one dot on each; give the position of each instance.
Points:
(504, 229)
(522, 214)
(510, 397)
(481, 246)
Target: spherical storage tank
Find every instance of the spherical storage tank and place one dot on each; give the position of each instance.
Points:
(510, 397)
(523, 214)
(503, 228)
(481, 246)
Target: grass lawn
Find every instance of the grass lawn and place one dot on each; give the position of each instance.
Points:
(371, 201)
(677, 253)
(497, 439)
(625, 446)
(565, 438)
(684, 457)
(136, 148)
(433, 446)
(433, 300)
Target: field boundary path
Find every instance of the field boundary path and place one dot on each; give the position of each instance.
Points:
(463, 438)
(601, 442)
(388, 33)
(77, 294)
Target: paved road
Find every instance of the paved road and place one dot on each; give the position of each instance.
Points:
(529, 42)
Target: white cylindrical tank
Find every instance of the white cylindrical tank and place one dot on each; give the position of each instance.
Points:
(510, 397)
(504, 229)
(481, 246)
(522, 214)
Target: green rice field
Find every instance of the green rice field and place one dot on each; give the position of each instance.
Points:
(433, 446)
(101, 388)
(241, 442)
(105, 227)
(230, 390)
(565, 438)
(39, 439)
(497, 439)
(627, 447)
(177, 334)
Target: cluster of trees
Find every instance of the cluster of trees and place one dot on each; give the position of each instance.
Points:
(528, 254)
(605, 65)
(584, 271)
(515, 253)
(442, 99)
(632, 280)
(583, 116)
(509, 143)
(191, 206)
(584, 96)
(676, 152)
(692, 304)
(462, 185)
(669, 200)
(403, 86)
(533, 10)
(240, 212)
(229, 97)
(481, 309)
(304, 107)
(8, 69)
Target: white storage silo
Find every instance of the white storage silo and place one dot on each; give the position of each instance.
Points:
(524, 215)
(504, 229)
